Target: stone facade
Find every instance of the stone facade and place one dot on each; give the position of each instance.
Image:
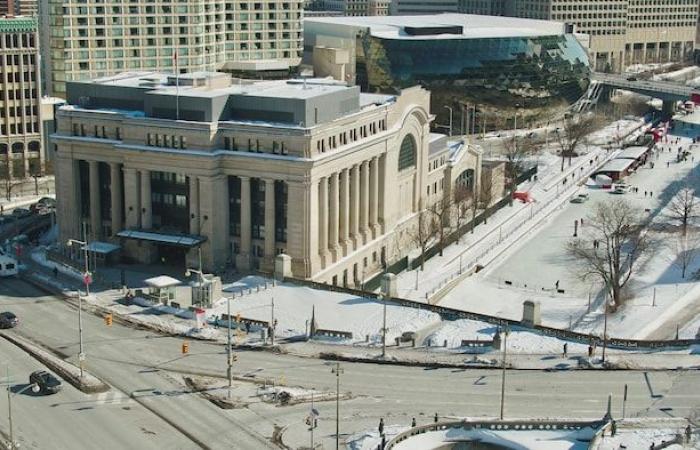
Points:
(342, 194)
(622, 32)
(21, 146)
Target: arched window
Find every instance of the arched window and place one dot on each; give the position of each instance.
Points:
(17, 147)
(3, 149)
(407, 153)
(466, 179)
(34, 146)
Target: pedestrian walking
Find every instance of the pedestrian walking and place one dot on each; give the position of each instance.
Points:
(413, 422)
(581, 221)
(55, 272)
(668, 164)
(436, 418)
(613, 428)
(645, 193)
(651, 194)
(590, 351)
(381, 425)
(556, 285)
(566, 347)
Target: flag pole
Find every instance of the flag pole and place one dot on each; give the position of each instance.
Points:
(177, 88)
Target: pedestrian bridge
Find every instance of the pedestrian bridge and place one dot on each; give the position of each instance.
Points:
(665, 90)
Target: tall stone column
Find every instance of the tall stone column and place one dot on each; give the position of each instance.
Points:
(243, 258)
(194, 205)
(381, 215)
(323, 219)
(146, 203)
(270, 223)
(334, 215)
(355, 205)
(68, 198)
(95, 206)
(213, 199)
(302, 230)
(344, 227)
(115, 178)
(374, 197)
(132, 198)
(364, 200)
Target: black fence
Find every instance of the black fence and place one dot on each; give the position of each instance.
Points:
(455, 314)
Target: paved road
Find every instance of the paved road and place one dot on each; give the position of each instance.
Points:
(53, 421)
(146, 366)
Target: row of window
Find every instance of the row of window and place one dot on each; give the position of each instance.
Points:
(166, 140)
(16, 77)
(346, 137)
(172, 200)
(436, 185)
(432, 165)
(18, 40)
(98, 131)
(189, 10)
(15, 59)
(253, 145)
(19, 128)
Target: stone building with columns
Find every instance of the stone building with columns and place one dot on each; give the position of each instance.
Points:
(247, 170)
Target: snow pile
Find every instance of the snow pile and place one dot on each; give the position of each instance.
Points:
(39, 257)
(506, 439)
(371, 440)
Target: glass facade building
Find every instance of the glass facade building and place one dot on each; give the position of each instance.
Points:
(538, 70)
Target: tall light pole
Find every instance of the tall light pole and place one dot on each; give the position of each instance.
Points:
(503, 375)
(34, 387)
(383, 300)
(272, 323)
(229, 356)
(189, 271)
(86, 279)
(337, 371)
(450, 108)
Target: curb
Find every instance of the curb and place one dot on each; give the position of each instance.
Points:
(90, 384)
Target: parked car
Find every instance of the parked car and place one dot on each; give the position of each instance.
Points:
(620, 189)
(48, 384)
(8, 320)
(580, 198)
(20, 213)
(47, 201)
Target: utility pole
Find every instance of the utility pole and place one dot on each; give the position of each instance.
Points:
(605, 327)
(384, 329)
(337, 371)
(86, 280)
(9, 409)
(450, 108)
(272, 323)
(503, 375)
(229, 362)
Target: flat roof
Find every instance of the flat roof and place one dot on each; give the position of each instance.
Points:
(632, 153)
(178, 240)
(162, 281)
(473, 26)
(616, 165)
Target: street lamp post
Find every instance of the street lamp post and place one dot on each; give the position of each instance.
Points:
(450, 108)
(337, 371)
(229, 356)
(503, 374)
(86, 279)
(34, 387)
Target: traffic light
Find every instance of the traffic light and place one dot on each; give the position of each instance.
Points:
(108, 319)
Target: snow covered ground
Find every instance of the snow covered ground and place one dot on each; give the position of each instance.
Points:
(534, 265)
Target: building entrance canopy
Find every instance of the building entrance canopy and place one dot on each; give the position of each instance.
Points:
(178, 240)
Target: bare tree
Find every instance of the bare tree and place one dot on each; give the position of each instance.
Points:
(612, 245)
(442, 213)
(517, 151)
(685, 247)
(682, 208)
(9, 182)
(466, 204)
(423, 233)
(573, 134)
(486, 197)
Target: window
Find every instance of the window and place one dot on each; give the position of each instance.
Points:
(407, 153)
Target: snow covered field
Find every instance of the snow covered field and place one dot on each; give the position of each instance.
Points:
(534, 265)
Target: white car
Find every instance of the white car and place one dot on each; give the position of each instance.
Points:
(621, 189)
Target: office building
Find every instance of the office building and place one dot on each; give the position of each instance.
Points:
(411, 7)
(496, 62)
(622, 32)
(348, 8)
(88, 40)
(21, 146)
(18, 7)
(313, 169)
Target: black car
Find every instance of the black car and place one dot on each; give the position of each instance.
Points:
(21, 213)
(8, 320)
(48, 384)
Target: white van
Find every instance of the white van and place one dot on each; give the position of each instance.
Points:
(621, 188)
(8, 266)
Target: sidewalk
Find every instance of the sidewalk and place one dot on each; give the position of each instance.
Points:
(25, 193)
